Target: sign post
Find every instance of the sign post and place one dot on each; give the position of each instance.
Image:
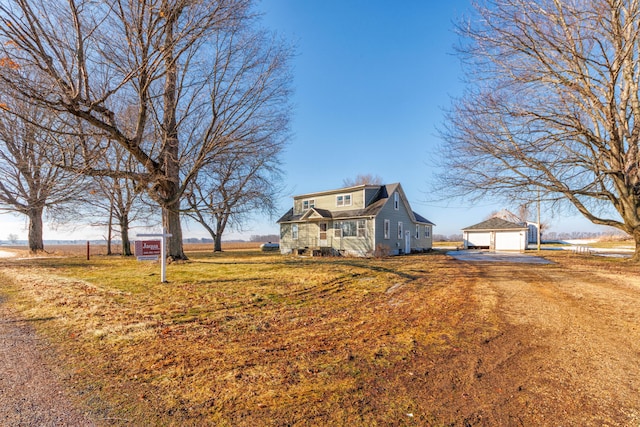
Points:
(149, 250)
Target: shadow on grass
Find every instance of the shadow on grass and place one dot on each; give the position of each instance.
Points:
(35, 320)
(295, 262)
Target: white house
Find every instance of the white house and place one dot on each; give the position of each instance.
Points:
(496, 234)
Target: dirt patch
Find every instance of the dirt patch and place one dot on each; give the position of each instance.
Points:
(568, 349)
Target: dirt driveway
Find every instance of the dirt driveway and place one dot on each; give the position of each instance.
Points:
(568, 353)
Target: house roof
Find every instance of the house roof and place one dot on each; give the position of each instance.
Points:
(371, 210)
(288, 216)
(338, 190)
(496, 224)
(420, 218)
(323, 213)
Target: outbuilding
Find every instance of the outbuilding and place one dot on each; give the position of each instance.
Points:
(496, 234)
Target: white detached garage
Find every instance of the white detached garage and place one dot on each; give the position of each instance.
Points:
(497, 235)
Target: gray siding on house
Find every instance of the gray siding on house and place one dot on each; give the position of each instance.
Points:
(395, 244)
(370, 193)
(353, 245)
(308, 233)
(388, 211)
(286, 242)
(309, 237)
(369, 203)
(329, 201)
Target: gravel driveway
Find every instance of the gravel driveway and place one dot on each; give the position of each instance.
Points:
(31, 393)
(485, 256)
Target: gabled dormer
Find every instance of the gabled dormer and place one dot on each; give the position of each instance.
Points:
(342, 199)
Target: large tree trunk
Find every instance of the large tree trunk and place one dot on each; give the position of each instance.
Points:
(217, 243)
(171, 221)
(170, 145)
(217, 240)
(36, 243)
(124, 236)
(636, 238)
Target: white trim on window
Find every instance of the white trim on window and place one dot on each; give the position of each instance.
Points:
(346, 228)
(400, 233)
(294, 231)
(387, 229)
(417, 231)
(361, 228)
(427, 231)
(396, 201)
(308, 204)
(349, 228)
(343, 200)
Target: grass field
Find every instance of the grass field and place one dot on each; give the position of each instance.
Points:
(250, 338)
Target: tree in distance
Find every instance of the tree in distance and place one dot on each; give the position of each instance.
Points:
(552, 105)
(242, 182)
(362, 179)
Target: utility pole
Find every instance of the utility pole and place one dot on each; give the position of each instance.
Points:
(539, 234)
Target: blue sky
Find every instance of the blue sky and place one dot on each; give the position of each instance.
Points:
(371, 80)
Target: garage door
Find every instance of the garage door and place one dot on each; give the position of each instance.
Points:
(509, 241)
(478, 239)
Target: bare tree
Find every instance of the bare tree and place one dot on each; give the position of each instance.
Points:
(32, 183)
(169, 60)
(553, 105)
(241, 184)
(119, 199)
(361, 179)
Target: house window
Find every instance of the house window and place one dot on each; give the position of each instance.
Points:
(399, 229)
(396, 201)
(294, 231)
(345, 228)
(308, 204)
(362, 228)
(387, 229)
(349, 229)
(343, 200)
(427, 231)
(418, 231)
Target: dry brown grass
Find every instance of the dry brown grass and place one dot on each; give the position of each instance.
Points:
(243, 337)
(247, 338)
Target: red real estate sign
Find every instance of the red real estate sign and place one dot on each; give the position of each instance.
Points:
(148, 249)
